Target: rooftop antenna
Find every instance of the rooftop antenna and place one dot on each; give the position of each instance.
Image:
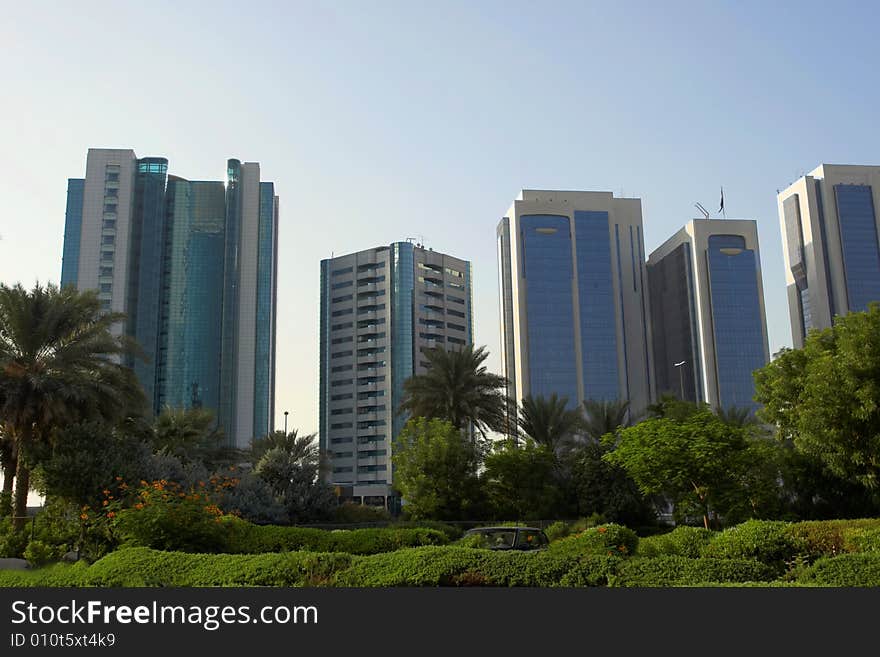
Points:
(703, 211)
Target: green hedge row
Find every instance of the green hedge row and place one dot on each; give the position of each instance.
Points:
(423, 566)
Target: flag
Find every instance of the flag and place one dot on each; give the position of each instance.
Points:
(721, 209)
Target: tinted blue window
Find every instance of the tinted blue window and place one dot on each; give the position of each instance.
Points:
(402, 287)
(72, 231)
(596, 301)
(547, 268)
(858, 238)
(265, 311)
(736, 319)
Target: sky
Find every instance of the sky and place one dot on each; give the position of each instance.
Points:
(379, 121)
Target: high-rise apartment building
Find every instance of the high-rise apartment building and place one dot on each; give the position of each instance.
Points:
(574, 306)
(707, 313)
(193, 265)
(380, 310)
(829, 225)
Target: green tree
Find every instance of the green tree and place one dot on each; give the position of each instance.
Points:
(600, 487)
(457, 388)
(292, 470)
(192, 435)
(826, 396)
(605, 416)
(7, 466)
(521, 481)
(435, 470)
(699, 463)
(549, 422)
(58, 365)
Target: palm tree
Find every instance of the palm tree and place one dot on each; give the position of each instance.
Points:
(605, 416)
(58, 365)
(191, 434)
(549, 421)
(737, 416)
(7, 464)
(457, 388)
(300, 448)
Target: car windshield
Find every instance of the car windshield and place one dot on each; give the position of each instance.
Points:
(495, 538)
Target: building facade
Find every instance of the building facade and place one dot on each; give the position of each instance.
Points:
(707, 313)
(574, 306)
(193, 265)
(380, 310)
(830, 226)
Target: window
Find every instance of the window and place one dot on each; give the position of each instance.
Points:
(371, 409)
(340, 313)
(341, 382)
(111, 192)
(341, 354)
(340, 368)
(370, 323)
(344, 297)
(345, 395)
(109, 207)
(341, 411)
(108, 239)
(371, 453)
(370, 266)
(107, 256)
(105, 305)
(372, 394)
(347, 468)
(370, 281)
(344, 325)
(341, 425)
(106, 271)
(343, 455)
(457, 286)
(340, 441)
(455, 313)
(365, 440)
(432, 336)
(454, 299)
(340, 272)
(112, 176)
(371, 309)
(372, 351)
(452, 272)
(372, 468)
(339, 286)
(109, 223)
(456, 341)
(363, 380)
(457, 327)
(364, 367)
(106, 287)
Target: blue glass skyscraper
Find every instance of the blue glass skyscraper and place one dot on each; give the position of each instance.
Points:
(707, 313)
(193, 265)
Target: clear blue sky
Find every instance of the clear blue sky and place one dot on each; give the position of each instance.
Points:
(381, 121)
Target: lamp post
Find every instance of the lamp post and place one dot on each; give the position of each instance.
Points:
(679, 366)
(285, 423)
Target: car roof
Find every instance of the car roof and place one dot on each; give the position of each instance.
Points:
(479, 529)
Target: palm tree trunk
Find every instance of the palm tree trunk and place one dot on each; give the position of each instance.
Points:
(22, 487)
(6, 495)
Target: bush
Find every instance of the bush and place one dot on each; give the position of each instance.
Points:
(844, 570)
(607, 539)
(557, 530)
(683, 541)
(862, 540)
(769, 541)
(683, 571)
(350, 512)
(13, 544)
(245, 538)
(39, 553)
(145, 567)
(452, 532)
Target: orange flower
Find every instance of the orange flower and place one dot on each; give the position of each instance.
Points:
(111, 514)
(84, 516)
(139, 505)
(106, 492)
(602, 530)
(105, 503)
(118, 478)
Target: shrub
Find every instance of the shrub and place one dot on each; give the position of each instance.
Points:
(39, 553)
(607, 539)
(423, 566)
(245, 538)
(557, 530)
(683, 541)
(166, 517)
(593, 570)
(12, 544)
(769, 541)
(59, 574)
(350, 512)
(683, 571)
(844, 570)
(827, 538)
(862, 540)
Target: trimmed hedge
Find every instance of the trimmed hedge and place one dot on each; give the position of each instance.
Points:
(770, 542)
(245, 538)
(683, 541)
(682, 571)
(824, 538)
(606, 540)
(844, 570)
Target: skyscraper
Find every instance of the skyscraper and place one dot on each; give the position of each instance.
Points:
(707, 312)
(574, 307)
(829, 242)
(380, 310)
(193, 265)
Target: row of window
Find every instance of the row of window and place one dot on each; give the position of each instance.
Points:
(361, 469)
(376, 408)
(362, 440)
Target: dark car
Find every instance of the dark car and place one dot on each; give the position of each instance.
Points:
(509, 538)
